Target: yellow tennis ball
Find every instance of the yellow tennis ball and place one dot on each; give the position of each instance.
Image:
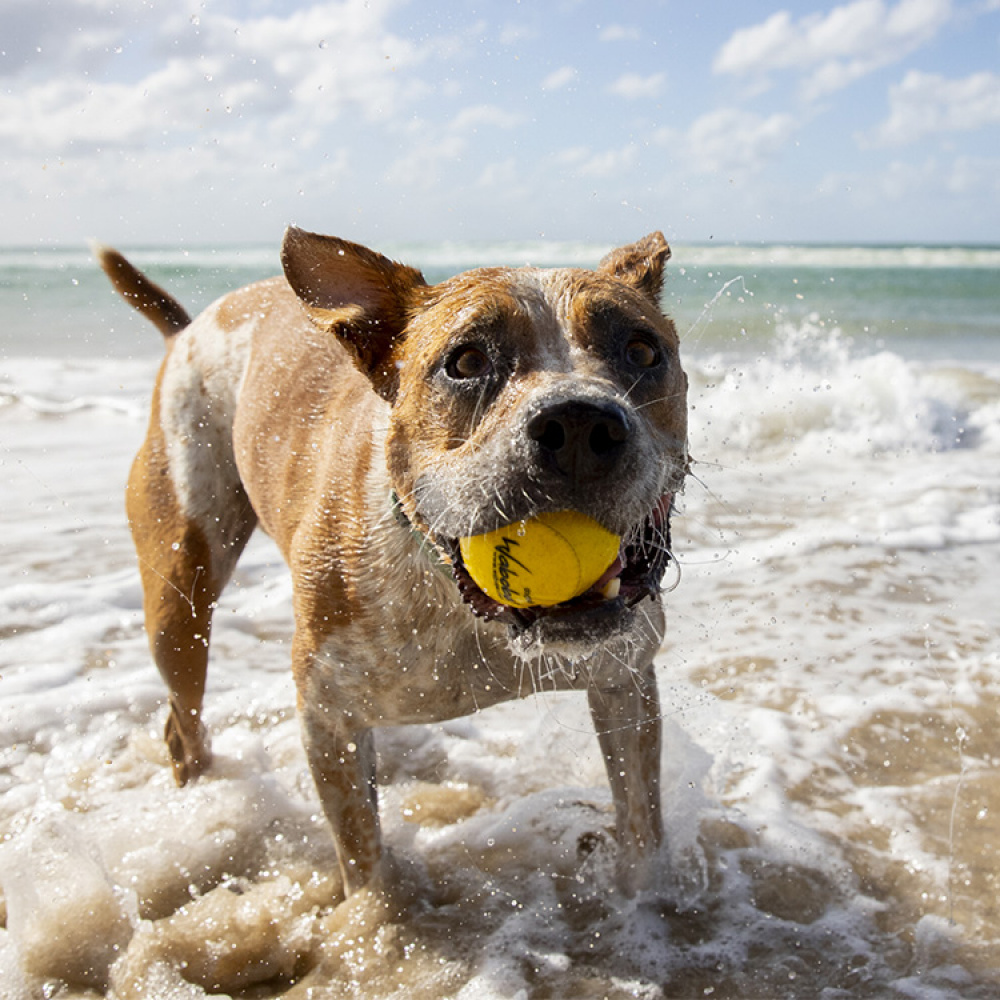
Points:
(541, 561)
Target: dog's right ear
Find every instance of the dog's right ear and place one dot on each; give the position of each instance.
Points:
(640, 265)
(356, 294)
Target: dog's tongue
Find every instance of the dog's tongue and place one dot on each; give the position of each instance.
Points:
(605, 584)
(659, 516)
(615, 569)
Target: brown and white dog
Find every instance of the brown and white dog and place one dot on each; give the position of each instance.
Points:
(368, 421)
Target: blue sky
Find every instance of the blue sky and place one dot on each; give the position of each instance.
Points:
(177, 121)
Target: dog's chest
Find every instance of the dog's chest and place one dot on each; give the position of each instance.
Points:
(415, 666)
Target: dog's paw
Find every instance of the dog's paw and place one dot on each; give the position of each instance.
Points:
(190, 753)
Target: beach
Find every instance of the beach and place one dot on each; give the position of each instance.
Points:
(830, 680)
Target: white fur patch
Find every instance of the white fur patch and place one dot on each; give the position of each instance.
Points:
(198, 396)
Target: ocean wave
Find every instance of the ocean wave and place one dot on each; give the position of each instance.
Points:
(461, 255)
(52, 388)
(253, 257)
(841, 257)
(811, 391)
(53, 407)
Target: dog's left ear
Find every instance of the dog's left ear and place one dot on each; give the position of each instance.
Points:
(357, 295)
(640, 265)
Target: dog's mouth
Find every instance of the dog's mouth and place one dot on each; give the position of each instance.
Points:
(635, 574)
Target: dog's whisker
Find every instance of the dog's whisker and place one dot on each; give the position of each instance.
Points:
(666, 397)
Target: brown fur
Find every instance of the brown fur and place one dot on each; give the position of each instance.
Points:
(318, 403)
(160, 308)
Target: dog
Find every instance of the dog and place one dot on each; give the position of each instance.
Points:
(367, 421)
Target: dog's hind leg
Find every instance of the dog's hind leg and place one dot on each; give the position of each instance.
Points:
(189, 514)
(184, 563)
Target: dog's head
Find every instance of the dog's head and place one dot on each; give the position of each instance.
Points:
(517, 391)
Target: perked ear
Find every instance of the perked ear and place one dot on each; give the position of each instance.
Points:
(357, 295)
(640, 265)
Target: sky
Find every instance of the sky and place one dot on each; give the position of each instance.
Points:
(181, 122)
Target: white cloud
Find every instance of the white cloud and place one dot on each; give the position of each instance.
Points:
(515, 34)
(330, 56)
(389, 115)
(976, 177)
(572, 156)
(968, 179)
(927, 103)
(609, 163)
(33, 32)
(300, 70)
(502, 174)
(633, 86)
(832, 50)
(192, 101)
(421, 165)
(730, 141)
(488, 115)
(581, 161)
(430, 151)
(622, 33)
(560, 78)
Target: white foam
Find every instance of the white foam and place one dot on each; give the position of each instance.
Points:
(809, 395)
(458, 255)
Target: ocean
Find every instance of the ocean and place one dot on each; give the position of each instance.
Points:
(830, 680)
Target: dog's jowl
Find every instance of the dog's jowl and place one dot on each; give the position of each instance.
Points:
(370, 422)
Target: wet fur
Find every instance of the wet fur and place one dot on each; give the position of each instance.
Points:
(321, 405)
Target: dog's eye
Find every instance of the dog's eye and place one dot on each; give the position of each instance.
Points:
(641, 353)
(469, 362)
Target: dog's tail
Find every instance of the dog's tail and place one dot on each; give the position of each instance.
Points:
(158, 306)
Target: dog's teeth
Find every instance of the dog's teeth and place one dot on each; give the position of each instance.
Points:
(612, 588)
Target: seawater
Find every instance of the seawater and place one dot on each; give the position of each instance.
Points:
(928, 301)
(830, 681)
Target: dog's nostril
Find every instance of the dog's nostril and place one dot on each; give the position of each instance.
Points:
(550, 434)
(606, 436)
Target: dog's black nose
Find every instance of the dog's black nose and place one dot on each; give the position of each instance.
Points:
(580, 440)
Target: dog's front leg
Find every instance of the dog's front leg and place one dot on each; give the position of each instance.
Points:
(342, 761)
(627, 719)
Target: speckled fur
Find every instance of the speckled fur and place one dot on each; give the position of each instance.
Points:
(308, 404)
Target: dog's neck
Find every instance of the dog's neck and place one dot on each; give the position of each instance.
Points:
(425, 543)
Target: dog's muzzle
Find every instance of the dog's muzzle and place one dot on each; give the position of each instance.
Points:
(584, 453)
